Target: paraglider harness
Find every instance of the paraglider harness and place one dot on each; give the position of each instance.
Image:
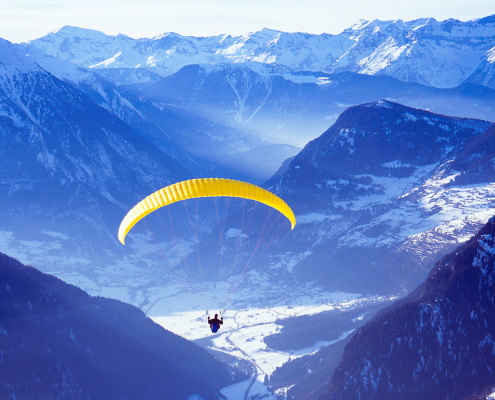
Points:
(215, 322)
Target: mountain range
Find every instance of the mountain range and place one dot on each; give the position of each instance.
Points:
(411, 51)
(288, 88)
(68, 164)
(294, 108)
(362, 196)
(205, 146)
(380, 139)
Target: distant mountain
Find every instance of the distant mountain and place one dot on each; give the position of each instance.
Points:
(295, 108)
(68, 165)
(376, 198)
(436, 344)
(59, 342)
(485, 73)
(412, 51)
(206, 146)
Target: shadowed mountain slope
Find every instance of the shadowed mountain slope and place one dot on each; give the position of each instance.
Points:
(438, 343)
(57, 341)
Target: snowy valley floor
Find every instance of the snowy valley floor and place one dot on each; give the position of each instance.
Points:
(254, 311)
(248, 320)
(242, 336)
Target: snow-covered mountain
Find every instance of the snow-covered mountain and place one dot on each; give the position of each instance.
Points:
(438, 343)
(378, 197)
(206, 145)
(485, 73)
(70, 169)
(68, 165)
(361, 194)
(412, 51)
(295, 108)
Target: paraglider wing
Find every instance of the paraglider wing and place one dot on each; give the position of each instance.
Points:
(208, 187)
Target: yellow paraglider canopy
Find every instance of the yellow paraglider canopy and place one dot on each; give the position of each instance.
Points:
(208, 187)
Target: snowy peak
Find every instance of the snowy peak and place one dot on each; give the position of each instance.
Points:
(58, 36)
(68, 30)
(84, 47)
(451, 28)
(412, 51)
(163, 54)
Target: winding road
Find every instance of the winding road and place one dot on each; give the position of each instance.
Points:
(256, 367)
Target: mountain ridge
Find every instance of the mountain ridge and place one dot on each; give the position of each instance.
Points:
(440, 336)
(410, 51)
(58, 341)
(56, 140)
(372, 184)
(278, 105)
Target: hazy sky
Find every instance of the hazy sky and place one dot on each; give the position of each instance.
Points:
(23, 20)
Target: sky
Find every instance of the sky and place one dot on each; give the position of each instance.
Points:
(23, 20)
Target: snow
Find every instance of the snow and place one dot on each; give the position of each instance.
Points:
(392, 188)
(307, 79)
(253, 310)
(441, 213)
(238, 390)
(385, 55)
(41, 252)
(410, 50)
(491, 55)
(62, 69)
(244, 328)
(235, 233)
(56, 235)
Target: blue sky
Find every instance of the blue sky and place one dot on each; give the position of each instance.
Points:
(23, 20)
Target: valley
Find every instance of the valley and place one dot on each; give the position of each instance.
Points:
(387, 164)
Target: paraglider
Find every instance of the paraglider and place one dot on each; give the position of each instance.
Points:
(215, 323)
(208, 187)
(214, 187)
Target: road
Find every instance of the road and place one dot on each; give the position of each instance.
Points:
(256, 367)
